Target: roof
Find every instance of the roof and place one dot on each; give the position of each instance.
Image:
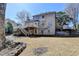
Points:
(45, 13)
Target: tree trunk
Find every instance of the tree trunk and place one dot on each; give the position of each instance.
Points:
(2, 29)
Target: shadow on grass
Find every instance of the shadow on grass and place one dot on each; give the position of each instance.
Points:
(57, 36)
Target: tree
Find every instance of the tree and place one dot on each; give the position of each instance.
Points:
(23, 16)
(2, 32)
(60, 12)
(8, 28)
(59, 19)
(62, 19)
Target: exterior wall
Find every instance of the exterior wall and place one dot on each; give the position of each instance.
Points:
(46, 24)
(32, 24)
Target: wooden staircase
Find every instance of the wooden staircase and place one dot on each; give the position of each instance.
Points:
(23, 31)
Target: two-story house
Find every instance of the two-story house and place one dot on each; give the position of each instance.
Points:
(46, 23)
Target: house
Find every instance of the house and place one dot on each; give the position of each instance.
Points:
(41, 24)
(46, 23)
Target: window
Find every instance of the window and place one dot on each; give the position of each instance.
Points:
(36, 23)
(42, 16)
(42, 31)
(48, 31)
(49, 23)
(36, 17)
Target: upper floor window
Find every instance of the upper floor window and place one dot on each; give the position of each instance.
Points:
(42, 16)
(35, 23)
(36, 17)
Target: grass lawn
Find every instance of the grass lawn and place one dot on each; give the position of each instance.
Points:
(56, 46)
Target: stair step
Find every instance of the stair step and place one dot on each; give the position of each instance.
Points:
(23, 31)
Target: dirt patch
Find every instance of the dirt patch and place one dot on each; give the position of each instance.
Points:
(39, 51)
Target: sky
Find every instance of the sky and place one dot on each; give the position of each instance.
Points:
(32, 8)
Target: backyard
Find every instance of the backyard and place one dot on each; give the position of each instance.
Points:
(50, 46)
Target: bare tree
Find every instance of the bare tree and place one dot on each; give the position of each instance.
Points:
(23, 16)
(72, 9)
